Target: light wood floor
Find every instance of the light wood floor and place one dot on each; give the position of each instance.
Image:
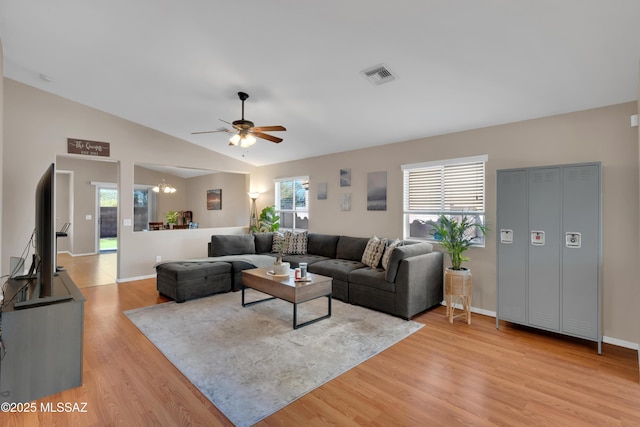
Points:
(90, 270)
(443, 375)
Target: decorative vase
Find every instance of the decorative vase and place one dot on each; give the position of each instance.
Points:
(281, 268)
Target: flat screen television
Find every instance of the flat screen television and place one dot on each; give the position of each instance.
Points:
(43, 270)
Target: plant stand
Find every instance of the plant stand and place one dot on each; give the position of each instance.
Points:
(458, 287)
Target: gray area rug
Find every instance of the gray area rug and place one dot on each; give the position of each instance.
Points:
(249, 361)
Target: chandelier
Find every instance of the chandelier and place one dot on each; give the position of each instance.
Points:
(164, 188)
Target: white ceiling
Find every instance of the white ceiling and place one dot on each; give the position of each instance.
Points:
(177, 66)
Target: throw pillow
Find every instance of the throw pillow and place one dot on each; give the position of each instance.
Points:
(295, 243)
(373, 252)
(387, 252)
(278, 245)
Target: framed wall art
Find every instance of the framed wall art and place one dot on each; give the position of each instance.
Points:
(345, 177)
(214, 199)
(322, 191)
(377, 191)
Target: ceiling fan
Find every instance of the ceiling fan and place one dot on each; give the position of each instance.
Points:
(246, 130)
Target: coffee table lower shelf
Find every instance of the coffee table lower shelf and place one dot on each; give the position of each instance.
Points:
(295, 309)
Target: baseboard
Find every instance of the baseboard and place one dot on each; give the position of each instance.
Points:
(605, 339)
(620, 343)
(133, 279)
(75, 255)
(473, 309)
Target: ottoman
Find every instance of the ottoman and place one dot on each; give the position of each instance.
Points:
(182, 281)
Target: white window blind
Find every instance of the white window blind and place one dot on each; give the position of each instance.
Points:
(457, 187)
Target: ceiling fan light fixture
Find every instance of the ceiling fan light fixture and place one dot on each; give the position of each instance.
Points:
(247, 141)
(235, 139)
(244, 139)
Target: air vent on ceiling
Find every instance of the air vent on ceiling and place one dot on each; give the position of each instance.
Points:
(379, 74)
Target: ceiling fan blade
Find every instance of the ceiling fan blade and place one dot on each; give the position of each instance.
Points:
(269, 128)
(206, 131)
(212, 131)
(224, 121)
(265, 136)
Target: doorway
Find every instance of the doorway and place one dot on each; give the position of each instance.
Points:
(107, 219)
(85, 201)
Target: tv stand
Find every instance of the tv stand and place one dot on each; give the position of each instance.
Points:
(38, 302)
(43, 339)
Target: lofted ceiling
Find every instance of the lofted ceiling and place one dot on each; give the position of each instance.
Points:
(176, 66)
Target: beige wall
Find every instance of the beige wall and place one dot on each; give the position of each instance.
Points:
(37, 125)
(601, 134)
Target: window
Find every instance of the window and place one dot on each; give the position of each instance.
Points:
(145, 205)
(453, 187)
(292, 202)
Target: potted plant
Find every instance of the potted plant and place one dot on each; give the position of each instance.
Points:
(456, 236)
(280, 267)
(269, 221)
(172, 218)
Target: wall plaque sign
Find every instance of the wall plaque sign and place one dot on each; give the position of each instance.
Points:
(87, 148)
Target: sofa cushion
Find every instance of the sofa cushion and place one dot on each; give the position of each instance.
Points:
(388, 250)
(351, 248)
(335, 268)
(371, 277)
(407, 250)
(322, 244)
(373, 252)
(295, 242)
(264, 242)
(232, 244)
(295, 260)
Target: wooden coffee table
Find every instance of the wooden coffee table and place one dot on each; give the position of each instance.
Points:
(287, 289)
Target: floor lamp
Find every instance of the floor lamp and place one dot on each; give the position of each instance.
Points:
(253, 215)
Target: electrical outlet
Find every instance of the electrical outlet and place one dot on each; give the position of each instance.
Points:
(158, 258)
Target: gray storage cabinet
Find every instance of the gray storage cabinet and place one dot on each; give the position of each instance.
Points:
(549, 249)
(43, 345)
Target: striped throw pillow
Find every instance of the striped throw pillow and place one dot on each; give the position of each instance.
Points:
(373, 252)
(295, 243)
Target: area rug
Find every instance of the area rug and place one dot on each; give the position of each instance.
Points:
(249, 361)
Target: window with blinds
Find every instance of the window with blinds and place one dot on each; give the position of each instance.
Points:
(453, 187)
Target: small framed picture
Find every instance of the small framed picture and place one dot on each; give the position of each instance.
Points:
(322, 191)
(345, 177)
(214, 199)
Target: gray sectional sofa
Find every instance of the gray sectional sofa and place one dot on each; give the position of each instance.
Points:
(411, 283)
